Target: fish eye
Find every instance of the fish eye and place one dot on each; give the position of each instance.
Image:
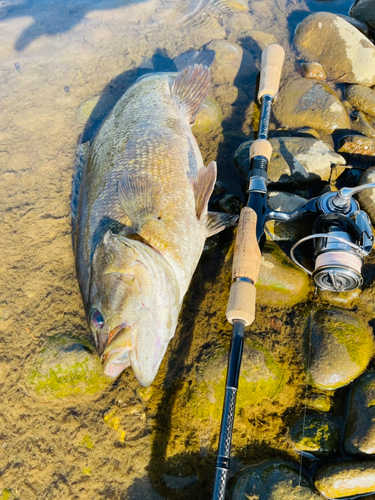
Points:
(97, 319)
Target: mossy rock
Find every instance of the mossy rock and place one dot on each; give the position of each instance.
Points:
(316, 436)
(66, 366)
(272, 480)
(262, 377)
(339, 348)
(280, 281)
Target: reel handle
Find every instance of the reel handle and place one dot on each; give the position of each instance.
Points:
(271, 66)
(245, 271)
(341, 200)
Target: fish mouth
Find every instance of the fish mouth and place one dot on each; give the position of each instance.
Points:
(116, 355)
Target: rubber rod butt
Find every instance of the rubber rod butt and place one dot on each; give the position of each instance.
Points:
(261, 147)
(247, 257)
(241, 303)
(272, 63)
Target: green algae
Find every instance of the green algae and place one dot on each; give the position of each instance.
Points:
(254, 387)
(86, 442)
(58, 374)
(315, 434)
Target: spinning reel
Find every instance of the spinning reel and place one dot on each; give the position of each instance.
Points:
(341, 237)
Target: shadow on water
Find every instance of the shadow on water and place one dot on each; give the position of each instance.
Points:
(53, 17)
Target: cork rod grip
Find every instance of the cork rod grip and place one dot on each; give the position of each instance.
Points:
(246, 264)
(272, 63)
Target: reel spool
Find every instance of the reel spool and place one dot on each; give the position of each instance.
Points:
(336, 261)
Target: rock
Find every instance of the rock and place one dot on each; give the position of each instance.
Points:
(219, 188)
(280, 282)
(320, 402)
(340, 348)
(350, 57)
(308, 131)
(316, 436)
(209, 117)
(231, 62)
(345, 478)
(360, 424)
(262, 38)
(314, 70)
(361, 26)
(367, 198)
(362, 98)
(229, 204)
(272, 480)
(262, 377)
(357, 145)
(364, 10)
(294, 160)
(362, 123)
(285, 231)
(66, 366)
(339, 299)
(308, 103)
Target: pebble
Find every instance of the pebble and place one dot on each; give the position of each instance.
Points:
(308, 103)
(362, 98)
(345, 478)
(273, 479)
(231, 62)
(315, 436)
(340, 348)
(229, 204)
(351, 55)
(314, 70)
(357, 145)
(66, 366)
(360, 424)
(280, 282)
(319, 402)
(364, 10)
(367, 197)
(294, 160)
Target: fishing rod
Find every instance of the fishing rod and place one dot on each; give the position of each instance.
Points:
(333, 254)
(247, 256)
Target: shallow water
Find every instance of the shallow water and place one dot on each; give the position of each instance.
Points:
(63, 65)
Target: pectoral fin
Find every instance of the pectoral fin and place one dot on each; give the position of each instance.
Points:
(140, 197)
(203, 186)
(217, 221)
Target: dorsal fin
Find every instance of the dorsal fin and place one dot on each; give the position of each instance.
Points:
(191, 87)
(203, 186)
(80, 160)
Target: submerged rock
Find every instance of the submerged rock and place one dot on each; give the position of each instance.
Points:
(229, 204)
(66, 366)
(345, 478)
(360, 424)
(314, 70)
(362, 98)
(362, 123)
(209, 117)
(343, 51)
(231, 62)
(296, 160)
(316, 436)
(339, 348)
(357, 145)
(262, 377)
(367, 197)
(364, 10)
(285, 231)
(280, 281)
(272, 480)
(308, 103)
(319, 402)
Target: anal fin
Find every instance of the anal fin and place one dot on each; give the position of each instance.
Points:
(203, 186)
